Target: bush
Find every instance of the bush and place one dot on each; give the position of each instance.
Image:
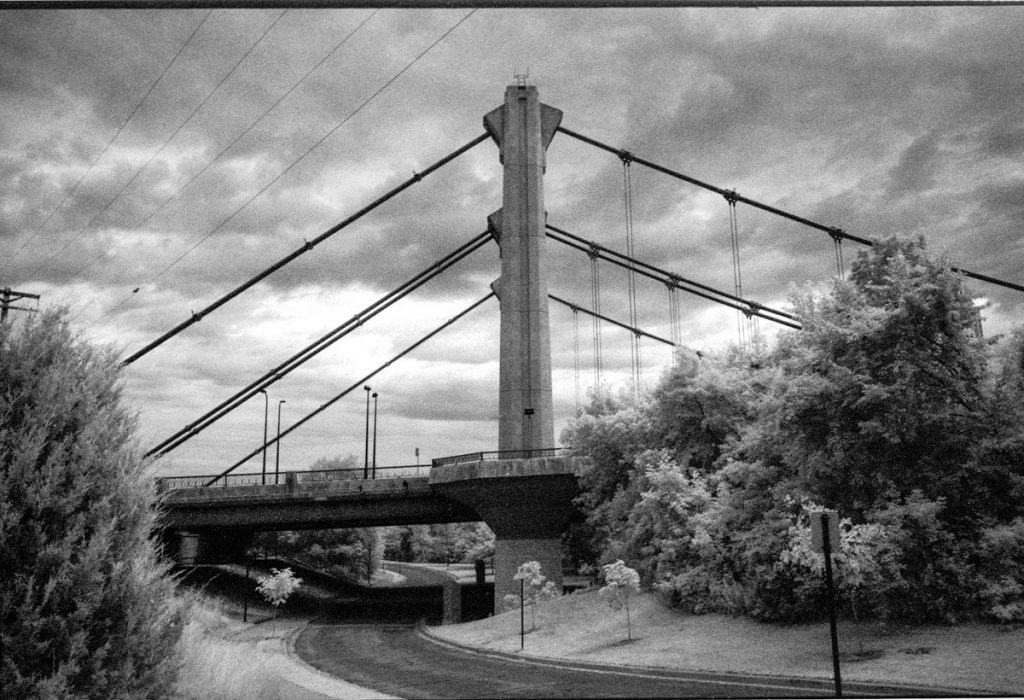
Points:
(86, 609)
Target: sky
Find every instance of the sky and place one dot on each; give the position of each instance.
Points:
(181, 152)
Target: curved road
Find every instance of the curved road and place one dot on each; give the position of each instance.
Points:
(392, 656)
(400, 661)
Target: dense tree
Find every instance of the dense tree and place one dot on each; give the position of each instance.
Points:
(885, 407)
(86, 609)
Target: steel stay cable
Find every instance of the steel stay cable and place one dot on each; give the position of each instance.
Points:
(315, 348)
(309, 245)
(309, 150)
(678, 280)
(833, 231)
(664, 276)
(353, 387)
(636, 331)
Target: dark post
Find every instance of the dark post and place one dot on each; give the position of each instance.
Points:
(245, 596)
(522, 614)
(277, 455)
(266, 414)
(827, 545)
(366, 451)
(374, 472)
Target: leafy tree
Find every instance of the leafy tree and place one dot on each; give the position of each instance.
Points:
(881, 392)
(86, 608)
(277, 588)
(621, 582)
(536, 589)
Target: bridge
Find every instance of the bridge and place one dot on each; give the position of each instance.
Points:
(524, 489)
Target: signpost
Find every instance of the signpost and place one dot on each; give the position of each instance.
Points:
(825, 539)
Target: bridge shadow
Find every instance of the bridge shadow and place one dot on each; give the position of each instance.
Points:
(324, 598)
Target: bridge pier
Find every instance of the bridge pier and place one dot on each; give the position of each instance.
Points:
(526, 502)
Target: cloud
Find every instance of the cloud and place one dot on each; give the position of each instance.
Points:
(875, 121)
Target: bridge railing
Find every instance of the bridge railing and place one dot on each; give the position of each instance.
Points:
(169, 483)
(502, 454)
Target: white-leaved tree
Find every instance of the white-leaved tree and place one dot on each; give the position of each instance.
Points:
(277, 587)
(535, 589)
(621, 582)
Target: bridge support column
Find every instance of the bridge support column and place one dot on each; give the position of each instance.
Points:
(526, 502)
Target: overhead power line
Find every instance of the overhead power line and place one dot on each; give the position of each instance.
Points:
(301, 157)
(358, 383)
(836, 233)
(167, 141)
(308, 246)
(493, 4)
(224, 150)
(106, 147)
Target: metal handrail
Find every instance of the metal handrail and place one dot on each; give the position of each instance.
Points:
(168, 483)
(500, 454)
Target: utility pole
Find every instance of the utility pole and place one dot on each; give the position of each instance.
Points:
(8, 295)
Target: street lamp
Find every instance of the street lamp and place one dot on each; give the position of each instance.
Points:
(366, 451)
(375, 435)
(266, 413)
(277, 456)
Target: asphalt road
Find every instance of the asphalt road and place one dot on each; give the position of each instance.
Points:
(372, 639)
(400, 661)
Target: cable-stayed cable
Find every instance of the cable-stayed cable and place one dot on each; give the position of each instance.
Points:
(833, 231)
(302, 156)
(324, 406)
(106, 148)
(666, 277)
(308, 246)
(315, 348)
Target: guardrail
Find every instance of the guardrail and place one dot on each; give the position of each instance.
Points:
(169, 483)
(502, 454)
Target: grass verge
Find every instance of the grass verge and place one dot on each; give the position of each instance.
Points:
(581, 627)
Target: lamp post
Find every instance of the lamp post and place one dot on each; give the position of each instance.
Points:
(277, 456)
(374, 472)
(266, 414)
(366, 450)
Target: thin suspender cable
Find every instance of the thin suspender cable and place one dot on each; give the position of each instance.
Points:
(595, 295)
(837, 243)
(634, 341)
(197, 316)
(350, 389)
(673, 313)
(576, 355)
(316, 347)
(663, 276)
(106, 148)
(831, 230)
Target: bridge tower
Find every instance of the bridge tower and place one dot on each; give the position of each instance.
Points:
(523, 128)
(526, 495)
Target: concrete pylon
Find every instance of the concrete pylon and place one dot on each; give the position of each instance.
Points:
(523, 128)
